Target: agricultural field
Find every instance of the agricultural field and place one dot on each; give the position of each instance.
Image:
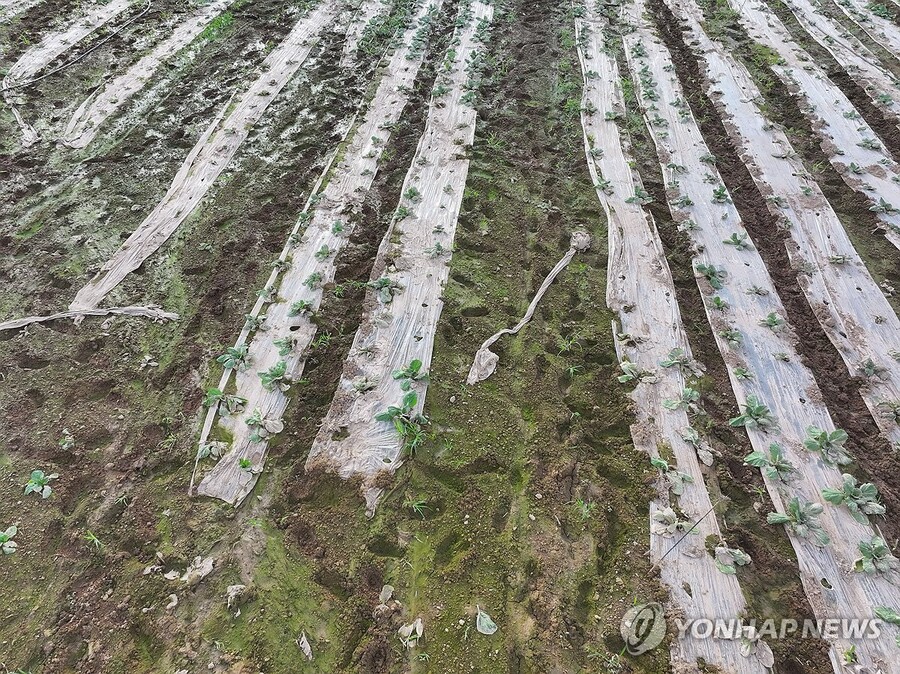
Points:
(452, 336)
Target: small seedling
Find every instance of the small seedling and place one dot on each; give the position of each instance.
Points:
(829, 445)
(739, 241)
(720, 195)
(772, 463)
(756, 416)
(716, 277)
(675, 478)
(275, 377)
(686, 401)
(861, 500)
(728, 559)
(301, 308)
(39, 483)
(386, 288)
(91, 538)
(773, 321)
(7, 544)
(67, 442)
(411, 373)
(802, 517)
(234, 357)
(875, 557)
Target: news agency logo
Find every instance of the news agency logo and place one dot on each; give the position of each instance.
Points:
(643, 628)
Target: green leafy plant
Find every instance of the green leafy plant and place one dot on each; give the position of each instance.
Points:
(631, 372)
(301, 308)
(641, 196)
(231, 403)
(213, 449)
(7, 544)
(234, 357)
(418, 505)
(742, 373)
(686, 401)
(665, 522)
(675, 478)
(262, 427)
(829, 445)
(252, 322)
(739, 241)
(67, 442)
(802, 517)
(888, 615)
(276, 377)
(889, 409)
(692, 437)
(871, 370)
(337, 227)
(772, 463)
(756, 416)
(585, 509)
(773, 321)
(386, 288)
(285, 345)
(408, 424)
(875, 557)
(718, 303)
(91, 538)
(676, 358)
(720, 196)
(413, 195)
(715, 277)
(861, 500)
(728, 559)
(313, 281)
(245, 464)
(39, 483)
(411, 373)
(323, 253)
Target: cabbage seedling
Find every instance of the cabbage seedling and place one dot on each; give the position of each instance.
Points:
(39, 483)
(860, 500)
(285, 345)
(720, 196)
(772, 463)
(687, 400)
(739, 241)
(323, 253)
(829, 445)
(275, 377)
(802, 517)
(716, 277)
(631, 372)
(386, 288)
(301, 308)
(676, 358)
(773, 321)
(692, 437)
(408, 424)
(676, 478)
(756, 416)
(262, 427)
(231, 403)
(409, 374)
(869, 369)
(718, 303)
(728, 559)
(666, 523)
(67, 441)
(213, 449)
(875, 557)
(313, 281)
(889, 409)
(252, 322)
(234, 357)
(7, 544)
